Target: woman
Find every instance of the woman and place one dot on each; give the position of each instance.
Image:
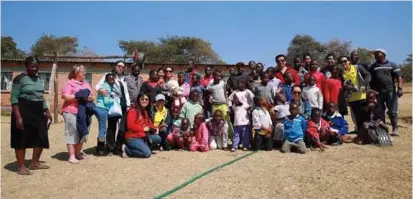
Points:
(304, 108)
(140, 130)
(356, 81)
(30, 115)
(169, 86)
(70, 109)
(161, 76)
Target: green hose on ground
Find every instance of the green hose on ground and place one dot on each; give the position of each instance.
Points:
(193, 179)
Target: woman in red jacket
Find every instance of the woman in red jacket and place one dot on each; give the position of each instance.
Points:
(139, 126)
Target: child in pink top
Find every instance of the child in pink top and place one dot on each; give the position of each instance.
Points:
(201, 137)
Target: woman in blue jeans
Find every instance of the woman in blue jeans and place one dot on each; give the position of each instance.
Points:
(139, 128)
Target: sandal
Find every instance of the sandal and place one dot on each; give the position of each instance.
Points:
(38, 166)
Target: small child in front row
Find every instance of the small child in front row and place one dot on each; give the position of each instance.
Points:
(339, 125)
(200, 141)
(262, 124)
(281, 111)
(295, 126)
(182, 136)
(218, 131)
(318, 130)
(241, 101)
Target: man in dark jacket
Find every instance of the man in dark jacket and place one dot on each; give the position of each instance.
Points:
(354, 58)
(384, 77)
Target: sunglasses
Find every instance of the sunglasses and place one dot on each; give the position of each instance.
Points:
(144, 99)
(344, 61)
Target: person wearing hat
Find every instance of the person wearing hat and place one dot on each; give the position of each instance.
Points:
(160, 118)
(384, 76)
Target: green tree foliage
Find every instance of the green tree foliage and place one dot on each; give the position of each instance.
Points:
(365, 55)
(9, 48)
(47, 44)
(407, 69)
(302, 44)
(173, 49)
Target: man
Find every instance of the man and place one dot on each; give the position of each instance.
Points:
(259, 67)
(354, 57)
(327, 70)
(384, 76)
(134, 83)
(282, 67)
(301, 71)
(115, 147)
(190, 71)
(252, 65)
(240, 74)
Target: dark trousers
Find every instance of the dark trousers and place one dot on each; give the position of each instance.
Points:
(357, 109)
(389, 100)
(114, 140)
(261, 142)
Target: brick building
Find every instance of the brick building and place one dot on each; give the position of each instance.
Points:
(95, 70)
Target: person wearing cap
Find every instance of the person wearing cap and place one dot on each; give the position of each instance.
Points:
(114, 142)
(160, 118)
(384, 76)
(282, 68)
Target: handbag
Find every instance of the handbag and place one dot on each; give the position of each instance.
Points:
(115, 110)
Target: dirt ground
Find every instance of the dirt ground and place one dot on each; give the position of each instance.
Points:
(347, 171)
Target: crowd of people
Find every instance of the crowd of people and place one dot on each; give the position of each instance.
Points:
(291, 108)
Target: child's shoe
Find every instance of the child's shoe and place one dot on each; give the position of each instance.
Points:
(245, 149)
(233, 149)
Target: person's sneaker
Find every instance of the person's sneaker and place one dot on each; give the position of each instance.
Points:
(124, 155)
(233, 150)
(245, 149)
(395, 133)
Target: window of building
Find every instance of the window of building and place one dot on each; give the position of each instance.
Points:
(6, 80)
(45, 77)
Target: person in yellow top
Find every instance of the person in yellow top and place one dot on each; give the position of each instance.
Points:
(160, 118)
(356, 81)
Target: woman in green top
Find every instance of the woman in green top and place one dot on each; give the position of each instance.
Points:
(29, 117)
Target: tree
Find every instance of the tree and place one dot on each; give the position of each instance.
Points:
(9, 48)
(365, 55)
(47, 44)
(87, 52)
(302, 44)
(337, 48)
(407, 69)
(173, 49)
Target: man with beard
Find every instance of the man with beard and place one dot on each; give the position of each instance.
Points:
(384, 76)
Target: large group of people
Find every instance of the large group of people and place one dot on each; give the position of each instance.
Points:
(291, 108)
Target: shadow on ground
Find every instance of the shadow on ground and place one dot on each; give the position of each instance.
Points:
(13, 165)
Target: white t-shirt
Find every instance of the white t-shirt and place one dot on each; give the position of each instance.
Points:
(282, 110)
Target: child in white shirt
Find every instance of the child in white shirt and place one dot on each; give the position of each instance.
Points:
(313, 94)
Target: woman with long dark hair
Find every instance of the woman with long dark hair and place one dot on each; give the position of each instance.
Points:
(140, 131)
(30, 116)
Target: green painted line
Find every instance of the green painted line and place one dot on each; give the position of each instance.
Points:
(193, 179)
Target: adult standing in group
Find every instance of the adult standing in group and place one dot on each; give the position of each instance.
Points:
(301, 71)
(29, 118)
(307, 60)
(114, 142)
(74, 91)
(207, 78)
(282, 68)
(240, 74)
(259, 67)
(169, 85)
(384, 76)
(190, 71)
(330, 60)
(360, 80)
(161, 75)
(134, 83)
(354, 58)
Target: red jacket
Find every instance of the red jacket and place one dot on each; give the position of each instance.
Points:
(136, 123)
(331, 90)
(312, 130)
(279, 75)
(319, 78)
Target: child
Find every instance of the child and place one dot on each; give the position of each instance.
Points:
(160, 118)
(201, 135)
(287, 87)
(262, 124)
(183, 87)
(294, 127)
(175, 121)
(338, 124)
(264, 89)
(152, 86)
(372, 118)
(241, 101)
(318, 130)
(218, 131)
(178, 100)
(191, 108)
(332, 91)
(103, 104)
(218, 98)
(319, 77)
(281, 111)
(197, 86)
(313, 94)
(182, 136)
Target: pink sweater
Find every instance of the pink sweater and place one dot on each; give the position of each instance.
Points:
(202, 135)
(70, 88)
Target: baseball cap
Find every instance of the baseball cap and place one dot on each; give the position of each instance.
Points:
(380, 50)
(160, 97)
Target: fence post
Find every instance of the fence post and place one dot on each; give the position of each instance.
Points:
(56, 91)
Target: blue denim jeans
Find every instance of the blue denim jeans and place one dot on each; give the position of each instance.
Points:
(102, 116)
(241, 133)
(137, 147)
(390, 100)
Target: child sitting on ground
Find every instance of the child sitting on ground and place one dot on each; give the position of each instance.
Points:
(182, 136)
(218, 131)
(339, 125)
(372, 118)
(241, 101)
(201, 135)
(318, 130)
(262, 124)
(280, 111)
(295, 126)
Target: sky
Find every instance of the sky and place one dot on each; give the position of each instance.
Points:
(238, 31)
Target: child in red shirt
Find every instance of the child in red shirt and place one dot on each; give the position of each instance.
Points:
(332, 87)
(319, 77)
(318, 130)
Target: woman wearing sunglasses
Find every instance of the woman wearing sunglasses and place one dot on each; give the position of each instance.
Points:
(304, 107)
(169, 85)
(356, 82)
(140, 131)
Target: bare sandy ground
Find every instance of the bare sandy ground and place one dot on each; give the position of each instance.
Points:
(347, 171)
